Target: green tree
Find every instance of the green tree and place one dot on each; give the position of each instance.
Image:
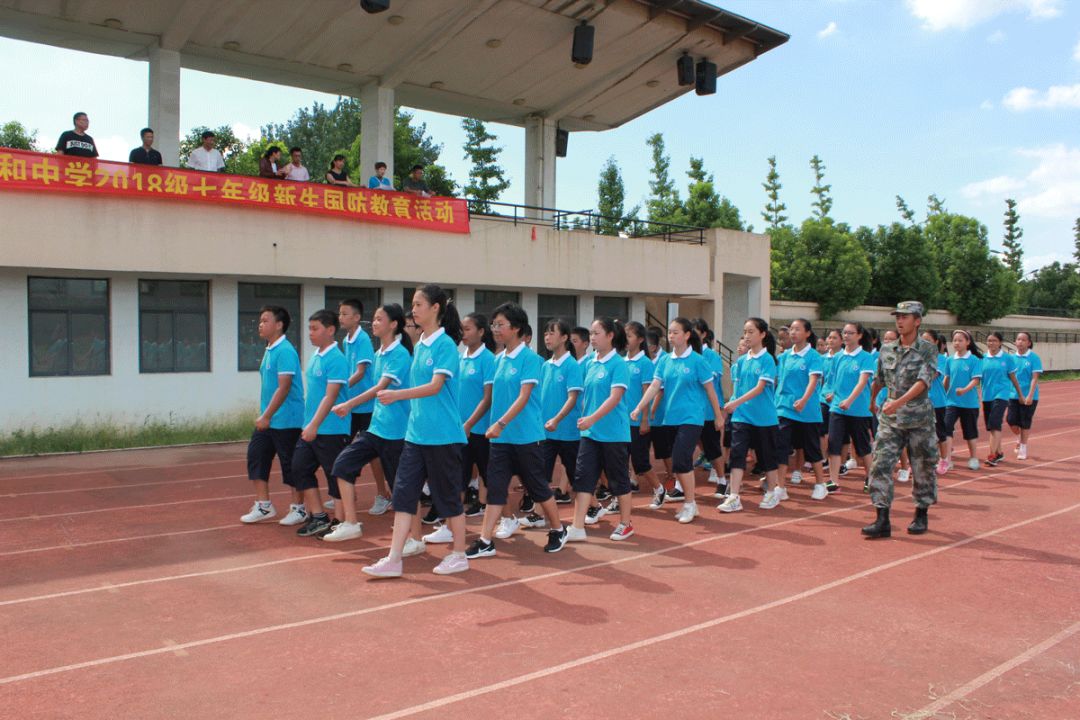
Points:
(611, 202)
(905, 212)
(774, 209)
(1014, 251)
(1076, 241)
(320, 132)
(783, 242)
(823, 203)
(827, 265)
(1050, 290)
(225, 140)
(664, 205)
(13, 134)
(975, 285)
(934, 206)
(413, 146)
(487, 179)
(704, 207)
(905, 267)
(246, 162)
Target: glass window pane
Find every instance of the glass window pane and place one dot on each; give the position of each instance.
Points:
(90, 344)
(173, 295)
(68, 294)
(253, 296)
(553, 307)
(49, 343)
(616, 308)
(487, 300)
(192, 342)
(156, 342)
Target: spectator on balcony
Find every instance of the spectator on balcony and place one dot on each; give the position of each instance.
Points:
(295, 169)
(379, 181)
(337, 174)
(415, 184)
(207, 157)
(77, 142)
(268, 164)
(145, 154)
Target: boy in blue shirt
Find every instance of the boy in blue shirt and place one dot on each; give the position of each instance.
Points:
(379, 181)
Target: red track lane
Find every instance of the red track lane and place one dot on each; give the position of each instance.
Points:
(771, 614)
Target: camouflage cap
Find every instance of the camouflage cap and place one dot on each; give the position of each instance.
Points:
(908, 307)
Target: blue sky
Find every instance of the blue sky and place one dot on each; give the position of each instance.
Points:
(975, 100)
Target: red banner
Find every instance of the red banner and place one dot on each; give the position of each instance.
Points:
(22, 170)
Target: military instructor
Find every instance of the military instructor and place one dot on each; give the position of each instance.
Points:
(907, 367)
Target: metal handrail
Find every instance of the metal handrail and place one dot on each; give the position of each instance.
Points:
(585, 220)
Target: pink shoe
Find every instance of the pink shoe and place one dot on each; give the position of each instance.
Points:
(452, 563)
(942, 467)
(385, 568)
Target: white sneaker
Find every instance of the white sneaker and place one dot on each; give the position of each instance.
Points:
(413, 547)
(820, 492)
(769, 501)
(1021, 452)
(593, 515)
(441, 534)
(780, 493)
(852, 464)
(732, 504)
(687, 514)
(507, 527)
(344, 531)
(329, 504)
(714, 478)
(796, 478)
(903, 476)
(973, 464)
(297, 516)
(380, 506)
(452, 563)
(258, 513)
(574, 534)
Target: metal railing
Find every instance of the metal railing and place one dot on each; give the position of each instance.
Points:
(584, 221)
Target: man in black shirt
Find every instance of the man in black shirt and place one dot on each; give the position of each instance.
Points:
(77, 142)
(146, 154)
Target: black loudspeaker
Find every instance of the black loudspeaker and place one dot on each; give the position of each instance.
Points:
(581, 53)
(705, 80)
(375, 6)
(562, 138)
(685, 67)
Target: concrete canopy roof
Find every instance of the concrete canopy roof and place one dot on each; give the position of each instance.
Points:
(497, 60)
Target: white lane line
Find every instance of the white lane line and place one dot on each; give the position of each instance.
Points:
(91, 543)
(136, 507)
(707, 625)
(122, 487)
(966, 689)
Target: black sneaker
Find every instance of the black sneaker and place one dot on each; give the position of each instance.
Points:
(315, 527)
(993, 460)
(613, 506)
(526, 505)
(676, 494)
(592, 514)
(431, 518)
(556, 540)
(831, 486)
(533, 520)
(602, 493)
(825, 464)
(475, 508)
(843, 469)
(480, 549)
(562, 498)
(634, 487)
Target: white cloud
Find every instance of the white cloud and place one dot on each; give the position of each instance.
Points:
(986, 105)
(1022, 99)
(938, 15)
(1050, 190)
(114, 147)
(996, 37)
(1000, 185)
(246, 133)
(828, 30)
(1034, 262)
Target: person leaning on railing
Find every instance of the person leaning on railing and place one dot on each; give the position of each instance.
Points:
(268, 164)
(379, 181)
(207, 157)
(336, 174)
(77, 142)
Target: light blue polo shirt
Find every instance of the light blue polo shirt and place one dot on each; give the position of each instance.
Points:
(961, 372)
(848, 368)
(376, 183)
(716, 365)
(1026, 366)
(327, 367)
(996, 370)
(433, 419)
(391, 421)
(476, 371)
(827, 364)
(280, 358)
(602, 375)
(521, 367)
(358, 351)
(794, 371)
(641, 371)
(683, 378)
(752, 369)
(556, 382)
(937, 388)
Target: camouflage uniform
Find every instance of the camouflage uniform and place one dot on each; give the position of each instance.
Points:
(912, 426)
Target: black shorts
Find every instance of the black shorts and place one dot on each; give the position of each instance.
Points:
(939, 425)
(712, 441)
(365, 448)
(1021, 415)
(262, 448)
(309, 457)
(728, 431)
(823, 426)
(994, 413)
(849, 428)
(763, 440)
(663, 437)
(794, 435)
(440, 466)
(526, 461)
(360, 423)
(607, 457)
(969, 421)
(683, 443)
(475, 452)
(565, 451)
(639, 451)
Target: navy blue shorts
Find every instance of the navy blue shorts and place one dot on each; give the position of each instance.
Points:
(849, 428)
(729, 429)
(440, 466)
(360, 423)
(565, 451)
(262, 448)
(939, 425)
(823, 426)
(994, 413)
(969, 421)
(365, 448)
(475, 452)
(1021, 415)
(609, 458)
(795, 435)
(663, 440)
(526, 461)
(639, 451)
(763, 441)
(684, 442)
(309, 457)
(712, 441)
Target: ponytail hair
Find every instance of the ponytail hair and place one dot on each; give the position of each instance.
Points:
(865, 341)
(486, 336)
(639, 331)
(395, 314)
(688, 327)
(972, 347)
(615, 327)
(563, 328)
(812, 341)
(707, 336)
(654, 336)
(770, 339)
(448, 316)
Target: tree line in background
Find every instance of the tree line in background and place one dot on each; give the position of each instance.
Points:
(944, 259)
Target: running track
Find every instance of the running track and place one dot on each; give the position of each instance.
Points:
(128, 589)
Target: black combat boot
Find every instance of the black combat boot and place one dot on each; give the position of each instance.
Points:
(881, 527)
(919, 525)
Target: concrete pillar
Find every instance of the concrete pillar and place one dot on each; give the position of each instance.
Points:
(586, 310)
(539, 162)
(376, 130)
(164, 108)
(530, 303)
